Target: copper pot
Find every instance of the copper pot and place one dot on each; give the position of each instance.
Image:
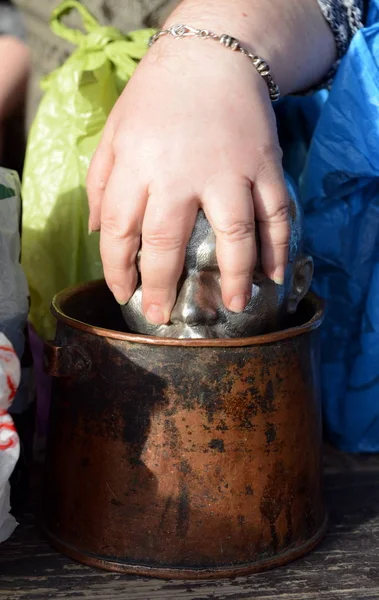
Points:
(181, 458)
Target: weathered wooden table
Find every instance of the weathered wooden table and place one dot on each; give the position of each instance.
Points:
(344, 567)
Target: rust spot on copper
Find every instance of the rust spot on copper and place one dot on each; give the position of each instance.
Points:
(217, 444)
(270, 433)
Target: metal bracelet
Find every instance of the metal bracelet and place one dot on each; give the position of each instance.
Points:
(180, 31)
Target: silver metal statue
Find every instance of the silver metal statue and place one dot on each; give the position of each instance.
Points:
(199, 311)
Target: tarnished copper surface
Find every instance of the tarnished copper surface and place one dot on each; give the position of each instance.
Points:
(181, 458)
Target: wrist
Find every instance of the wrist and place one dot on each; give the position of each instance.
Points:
(206, 65)
(260, 65)
(290, 35)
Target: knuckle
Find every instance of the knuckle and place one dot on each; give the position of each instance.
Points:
(279, 244)
(156, 291)
(162, 240)
(113, 227)
(276, 214)
(237, 231)
(269, 162)
(238, 276)
(269, 153)
(279, 214)
(126, 146)
(122, 151)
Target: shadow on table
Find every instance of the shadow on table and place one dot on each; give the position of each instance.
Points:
(351, 485)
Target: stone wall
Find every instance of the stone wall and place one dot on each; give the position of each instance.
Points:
(49, 51)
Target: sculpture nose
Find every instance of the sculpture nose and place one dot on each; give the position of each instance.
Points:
(196, 303)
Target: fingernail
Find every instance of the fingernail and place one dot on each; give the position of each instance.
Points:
(119, 294)
(278, 276)
(154, 315)
(238, 303)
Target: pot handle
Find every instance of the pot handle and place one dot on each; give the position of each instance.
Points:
(65, 361)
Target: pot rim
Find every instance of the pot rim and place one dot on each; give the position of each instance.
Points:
(257, 340)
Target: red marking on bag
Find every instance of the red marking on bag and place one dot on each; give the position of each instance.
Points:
(12, 388)
(7, 349)
(8, 427)
(11, 443)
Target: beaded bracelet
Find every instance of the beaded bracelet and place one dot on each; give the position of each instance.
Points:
(179, 31)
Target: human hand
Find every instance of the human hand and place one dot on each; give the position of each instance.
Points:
(193, 128)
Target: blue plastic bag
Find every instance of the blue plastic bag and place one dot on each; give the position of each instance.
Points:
(340, 190)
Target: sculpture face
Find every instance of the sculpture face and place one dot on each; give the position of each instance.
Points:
(199, 311)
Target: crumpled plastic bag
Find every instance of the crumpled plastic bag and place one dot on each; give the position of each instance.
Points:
(56, 249)
(14, 303)
(9, 442)
(13, 287)
(331, 144)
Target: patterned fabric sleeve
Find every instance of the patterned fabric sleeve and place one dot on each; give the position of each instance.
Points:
(345, 17)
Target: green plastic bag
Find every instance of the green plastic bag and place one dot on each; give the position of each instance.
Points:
(57, 250)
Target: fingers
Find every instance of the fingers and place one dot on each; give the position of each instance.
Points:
(271, 210)
(97, 178)
(122, 210)
(228, 205)
(167, 226)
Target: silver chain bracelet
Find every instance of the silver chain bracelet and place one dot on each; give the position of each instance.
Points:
(180, 31)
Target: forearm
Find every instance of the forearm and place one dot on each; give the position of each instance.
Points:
(291, 35)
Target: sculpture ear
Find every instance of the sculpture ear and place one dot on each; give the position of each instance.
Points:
(301, 281)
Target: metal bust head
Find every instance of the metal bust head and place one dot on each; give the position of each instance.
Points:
(199, 311)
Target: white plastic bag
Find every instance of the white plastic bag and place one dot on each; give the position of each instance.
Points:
(14, 303)
(13, 314)
(10, 374)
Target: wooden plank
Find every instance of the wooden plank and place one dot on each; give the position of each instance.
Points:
(344, 566)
